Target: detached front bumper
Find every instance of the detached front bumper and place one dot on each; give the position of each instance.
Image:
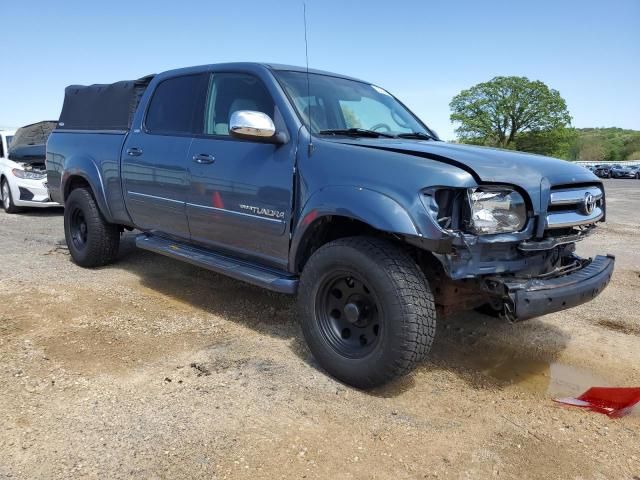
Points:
(531, 298)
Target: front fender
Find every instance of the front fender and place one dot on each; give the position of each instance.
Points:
(373, 208)
(85, 167)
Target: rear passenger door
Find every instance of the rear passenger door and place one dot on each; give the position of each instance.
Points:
(241, 190)
(155, 157)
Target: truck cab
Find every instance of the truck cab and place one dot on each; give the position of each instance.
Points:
(328, 187)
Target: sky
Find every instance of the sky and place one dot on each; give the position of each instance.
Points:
(424, 52)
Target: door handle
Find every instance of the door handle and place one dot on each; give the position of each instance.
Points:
(203, 158)
(134, 152)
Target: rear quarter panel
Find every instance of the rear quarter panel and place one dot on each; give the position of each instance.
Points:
(95, 157)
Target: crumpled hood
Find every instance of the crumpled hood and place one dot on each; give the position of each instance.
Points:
(533, 173)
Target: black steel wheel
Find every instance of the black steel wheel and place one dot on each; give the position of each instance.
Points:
(348, 314)
(366, 309)
(92, 241)
(78, 228)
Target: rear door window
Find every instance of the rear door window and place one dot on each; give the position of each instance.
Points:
(177, 106)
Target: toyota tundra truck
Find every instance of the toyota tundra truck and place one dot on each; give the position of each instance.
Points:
(317, 184)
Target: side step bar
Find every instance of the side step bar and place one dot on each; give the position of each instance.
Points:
(261, 276)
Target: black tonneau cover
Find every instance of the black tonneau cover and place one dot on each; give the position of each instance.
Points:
(29, 142)
(102, 107)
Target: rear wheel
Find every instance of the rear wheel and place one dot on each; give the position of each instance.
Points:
(92, 241)
(366, 309)
(7, 199)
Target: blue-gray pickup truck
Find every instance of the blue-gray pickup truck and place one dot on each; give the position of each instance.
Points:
(318, 184)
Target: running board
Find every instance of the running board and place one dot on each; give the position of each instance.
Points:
(261, 276)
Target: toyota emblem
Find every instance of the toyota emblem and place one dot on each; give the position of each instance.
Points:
(589, 204)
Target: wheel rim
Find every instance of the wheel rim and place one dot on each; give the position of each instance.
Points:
(6, 198)
(79, 229)
(349, 315)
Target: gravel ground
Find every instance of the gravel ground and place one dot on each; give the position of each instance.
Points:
(152, 368)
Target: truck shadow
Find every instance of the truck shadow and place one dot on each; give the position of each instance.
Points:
(488, 352)
(481, 350)
(265, 312)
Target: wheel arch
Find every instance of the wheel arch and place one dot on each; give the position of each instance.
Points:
(82, 172)
(343, 211)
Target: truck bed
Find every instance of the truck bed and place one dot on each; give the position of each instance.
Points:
(98, 164)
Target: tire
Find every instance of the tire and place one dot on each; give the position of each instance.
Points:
(96, 243)
(637, 176)
(7, 198)
(395, 311)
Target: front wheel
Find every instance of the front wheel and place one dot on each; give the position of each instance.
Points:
(366, 309)
(92, 241)
(7, 199)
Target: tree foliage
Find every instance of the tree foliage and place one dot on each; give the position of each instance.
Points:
(497, 111)
(553, 143)
(591, 151)
(611, 144)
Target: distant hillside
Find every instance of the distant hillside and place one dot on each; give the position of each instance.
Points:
(613, 144)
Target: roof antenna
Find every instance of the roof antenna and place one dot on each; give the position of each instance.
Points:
(306, 54)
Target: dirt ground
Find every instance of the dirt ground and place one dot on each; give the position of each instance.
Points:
(152, 368)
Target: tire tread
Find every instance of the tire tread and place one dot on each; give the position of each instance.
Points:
(103, 246)
(413, 298)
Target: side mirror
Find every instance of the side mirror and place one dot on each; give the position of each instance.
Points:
(253, 125)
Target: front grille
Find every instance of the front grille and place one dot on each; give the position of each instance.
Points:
(573, 207)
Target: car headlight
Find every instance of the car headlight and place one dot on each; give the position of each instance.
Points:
(496, 210)
(28, 175)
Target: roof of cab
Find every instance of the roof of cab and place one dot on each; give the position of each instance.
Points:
(254, 65)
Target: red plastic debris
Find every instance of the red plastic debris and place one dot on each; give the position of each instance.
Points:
(612, 401)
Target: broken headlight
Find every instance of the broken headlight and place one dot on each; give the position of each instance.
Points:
(495, 210)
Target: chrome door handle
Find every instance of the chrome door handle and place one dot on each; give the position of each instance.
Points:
(203, 158)
(134, 152)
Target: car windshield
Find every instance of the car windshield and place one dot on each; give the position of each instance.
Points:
(338, 106)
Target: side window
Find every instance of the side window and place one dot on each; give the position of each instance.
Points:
(230, 92)
(177, 105)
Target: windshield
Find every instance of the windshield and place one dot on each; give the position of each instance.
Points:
(331, 103)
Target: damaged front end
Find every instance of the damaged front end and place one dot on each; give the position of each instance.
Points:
(496, 249)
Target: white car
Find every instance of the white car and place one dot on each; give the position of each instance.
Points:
(22, 183)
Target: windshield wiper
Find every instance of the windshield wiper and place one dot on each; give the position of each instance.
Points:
(355, 132)
(418, 135)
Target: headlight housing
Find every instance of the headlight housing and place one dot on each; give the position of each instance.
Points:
(495, 210)
(28, 174)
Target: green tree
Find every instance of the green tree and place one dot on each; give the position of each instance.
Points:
(495, 112)
(558, 142)
(592, 150)
(634, 156)
(613, 144)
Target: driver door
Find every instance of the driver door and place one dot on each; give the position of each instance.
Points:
(241, 190)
